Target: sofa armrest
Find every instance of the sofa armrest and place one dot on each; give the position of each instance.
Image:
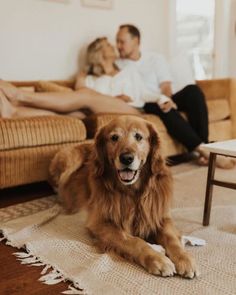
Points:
(215, 88)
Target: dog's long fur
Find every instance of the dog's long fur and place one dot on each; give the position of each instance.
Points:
(123, 215)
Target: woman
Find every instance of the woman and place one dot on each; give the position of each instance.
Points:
(101, 88)
(103, 75)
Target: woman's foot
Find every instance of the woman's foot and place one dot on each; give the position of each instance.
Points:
(7, 110)
(10, 91)
(202, 161)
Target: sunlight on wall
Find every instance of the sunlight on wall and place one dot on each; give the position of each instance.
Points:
(199, 7)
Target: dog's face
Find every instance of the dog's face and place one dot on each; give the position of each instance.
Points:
(125, 145)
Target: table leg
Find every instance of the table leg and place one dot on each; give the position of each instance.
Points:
(209, 189)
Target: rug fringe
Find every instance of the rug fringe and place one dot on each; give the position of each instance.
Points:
(72, 290)
(52, 278)
(49, 278)
(22, 254)
(46, 268)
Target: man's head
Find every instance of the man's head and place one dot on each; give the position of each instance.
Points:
(128, 41)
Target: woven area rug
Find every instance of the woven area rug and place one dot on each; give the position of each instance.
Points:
(60, 242)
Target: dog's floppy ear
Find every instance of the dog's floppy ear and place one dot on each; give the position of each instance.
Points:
(156, 160)
(100, 152)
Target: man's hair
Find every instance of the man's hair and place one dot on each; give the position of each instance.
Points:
(134, 31)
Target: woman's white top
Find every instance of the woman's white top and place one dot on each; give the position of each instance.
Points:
(126, 82)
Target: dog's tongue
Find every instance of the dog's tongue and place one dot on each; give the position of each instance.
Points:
(127, 175)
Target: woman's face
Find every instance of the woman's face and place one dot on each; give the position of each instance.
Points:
(108, 51)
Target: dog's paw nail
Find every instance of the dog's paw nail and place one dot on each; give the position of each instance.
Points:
(190, 275)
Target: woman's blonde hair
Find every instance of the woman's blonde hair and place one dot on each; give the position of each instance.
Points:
(94, 57)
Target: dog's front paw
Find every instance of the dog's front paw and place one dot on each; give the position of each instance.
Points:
(186, 266)
(159, 264)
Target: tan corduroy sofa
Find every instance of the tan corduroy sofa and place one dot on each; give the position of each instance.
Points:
(28, 144)
(221, 101)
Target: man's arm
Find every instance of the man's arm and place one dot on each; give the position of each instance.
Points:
(165, 88)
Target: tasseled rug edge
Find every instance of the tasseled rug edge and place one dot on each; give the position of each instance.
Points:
(49, 275)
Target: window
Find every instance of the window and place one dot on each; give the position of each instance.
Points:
(195, 34)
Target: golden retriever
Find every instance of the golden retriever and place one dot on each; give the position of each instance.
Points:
(123, 183)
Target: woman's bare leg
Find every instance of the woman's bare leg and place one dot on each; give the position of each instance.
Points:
(10, 91)
(8, 110)
(73, 101)
(22, 111)
(65, 102)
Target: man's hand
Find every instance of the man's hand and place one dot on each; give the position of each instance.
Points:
(167, 106)
(125, 98)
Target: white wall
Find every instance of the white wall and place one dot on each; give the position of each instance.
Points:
(41, 39)
(222, 26)
(225, 39)
(232, 38)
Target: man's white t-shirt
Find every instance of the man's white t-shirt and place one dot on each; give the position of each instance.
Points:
(126, 82)
(153, 70)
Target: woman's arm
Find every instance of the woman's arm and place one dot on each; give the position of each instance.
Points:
(80, 81)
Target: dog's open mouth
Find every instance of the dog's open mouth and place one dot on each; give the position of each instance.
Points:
(127, 175)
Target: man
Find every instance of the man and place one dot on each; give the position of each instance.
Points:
(157, 79)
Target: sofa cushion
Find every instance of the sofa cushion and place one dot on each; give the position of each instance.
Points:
(169, 146)
(218, 109)
(156, 122)
(220, 130)
(38, 131)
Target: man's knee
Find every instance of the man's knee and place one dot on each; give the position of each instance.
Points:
(194, 90)
(195, 96)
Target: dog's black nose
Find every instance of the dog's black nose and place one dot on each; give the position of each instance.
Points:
(126, 158)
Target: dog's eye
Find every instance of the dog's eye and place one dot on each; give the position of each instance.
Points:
(138, 136)
(114, 137)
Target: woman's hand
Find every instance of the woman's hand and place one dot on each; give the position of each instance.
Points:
(125, 98)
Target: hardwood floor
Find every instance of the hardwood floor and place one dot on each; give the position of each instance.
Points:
(16, 278)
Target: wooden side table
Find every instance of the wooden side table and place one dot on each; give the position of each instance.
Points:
(225, 148)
